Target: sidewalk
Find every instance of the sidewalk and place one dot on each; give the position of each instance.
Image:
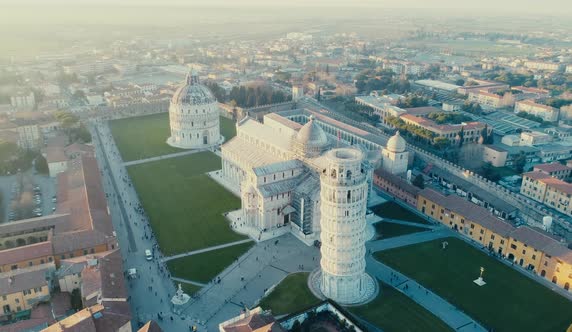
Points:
(200, 251)
(167, 156)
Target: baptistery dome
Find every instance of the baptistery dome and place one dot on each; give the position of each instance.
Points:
(194, 116)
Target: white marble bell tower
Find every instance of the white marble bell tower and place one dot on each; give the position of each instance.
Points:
(343, 196)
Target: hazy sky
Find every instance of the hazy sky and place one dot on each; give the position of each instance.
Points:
(562, 7)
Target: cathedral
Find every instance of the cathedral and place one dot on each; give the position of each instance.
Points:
(277, 165)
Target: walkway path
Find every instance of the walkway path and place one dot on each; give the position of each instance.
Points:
(200, 251)
(411, 223)
(167, 156)
(405, 240)
(186, 281)
(448, 313)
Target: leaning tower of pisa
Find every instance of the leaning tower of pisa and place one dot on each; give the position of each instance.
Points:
(343, 196)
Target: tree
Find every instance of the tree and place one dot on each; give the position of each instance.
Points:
(75, 299)
(519, 162)
(41, 165)
(82, 134)
(418, 181)
(461, 136)
(441, 142)
(460, 82)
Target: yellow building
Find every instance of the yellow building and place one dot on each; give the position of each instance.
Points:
(546, 189)
(528, 247)
(26, 256)
(22, 289)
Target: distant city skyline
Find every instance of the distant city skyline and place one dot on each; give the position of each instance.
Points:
(560, 7)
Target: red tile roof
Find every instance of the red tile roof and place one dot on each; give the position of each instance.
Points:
(552, 167)
(24, 253)
(551, 182)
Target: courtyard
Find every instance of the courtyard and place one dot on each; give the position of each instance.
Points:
(390, 310)
(184, 205)
(450, 274)
(145, 136)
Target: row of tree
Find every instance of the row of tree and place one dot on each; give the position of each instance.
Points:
(249, 96)
(449, 117)
(374, 80)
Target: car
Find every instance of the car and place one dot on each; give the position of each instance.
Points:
(148, 255)
(54, 199)
(39, 214)
(54, 209)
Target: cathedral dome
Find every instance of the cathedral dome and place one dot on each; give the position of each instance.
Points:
(312, 135)
(311, 140)
(396, 143)
(193, 93)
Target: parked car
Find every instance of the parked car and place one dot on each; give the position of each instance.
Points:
(148, 255)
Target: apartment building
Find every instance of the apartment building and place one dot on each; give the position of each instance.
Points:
(493, 100)
(556, 170)
(471, 131)
(543, 66)
(22, 289)
(549, 190)
(547, 113)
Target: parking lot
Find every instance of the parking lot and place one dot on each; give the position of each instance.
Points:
(27, 195)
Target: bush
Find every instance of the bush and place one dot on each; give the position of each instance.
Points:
(41, 165)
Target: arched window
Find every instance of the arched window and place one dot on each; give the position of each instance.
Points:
(349, 195)
(334, 173)
(554, 279)
(349, 174)
(567, 286)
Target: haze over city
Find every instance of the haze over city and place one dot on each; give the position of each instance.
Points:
(302, 165)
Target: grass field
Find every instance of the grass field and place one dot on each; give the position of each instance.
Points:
(291, 295)
(390, 311)
(394, 312)
(508, 302)
(189, 288)
(184, 205)
(393, 210)
(386, 229)
(204, 267)
(145, 136)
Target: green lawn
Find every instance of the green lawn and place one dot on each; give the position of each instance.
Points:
(184, 205)
(190, 289)
(291, 295)
(508, 302)
(204, 267)
(146, 136)
(393, 210)
(390, 311)
(394, 312)
(142, 137)
(227, 128)
(386, 229)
